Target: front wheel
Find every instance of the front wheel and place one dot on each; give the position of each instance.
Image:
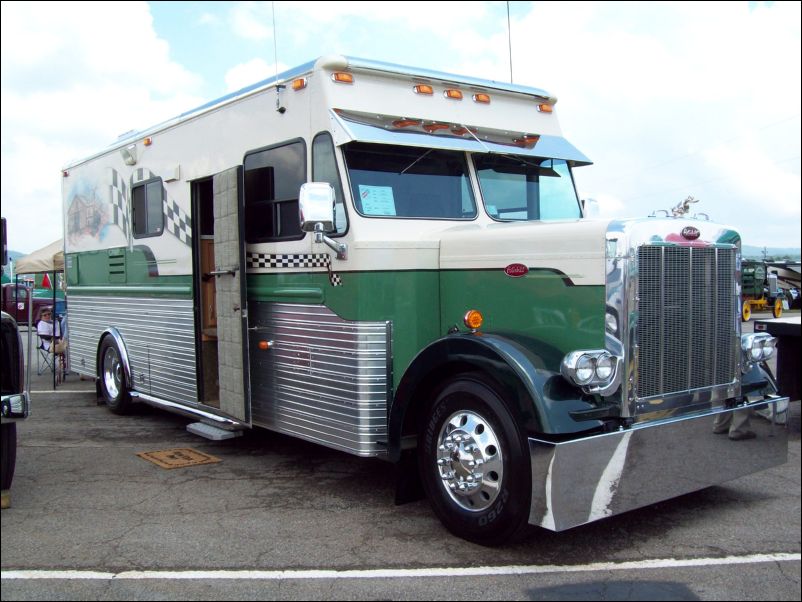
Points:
(746, 311)
(113, 384)
(474, 463)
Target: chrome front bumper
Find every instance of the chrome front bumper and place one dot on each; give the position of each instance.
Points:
(577, 482)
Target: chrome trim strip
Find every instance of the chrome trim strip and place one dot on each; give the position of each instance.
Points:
(157, 334)
(577, 482)
(190, 411)
(323, 379)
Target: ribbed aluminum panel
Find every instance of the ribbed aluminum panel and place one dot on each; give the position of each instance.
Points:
(324, 379)
(159, 337)
(686, 306)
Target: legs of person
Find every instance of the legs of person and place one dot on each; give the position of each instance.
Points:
(739, 429)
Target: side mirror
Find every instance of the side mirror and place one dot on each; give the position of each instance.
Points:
(316, 205)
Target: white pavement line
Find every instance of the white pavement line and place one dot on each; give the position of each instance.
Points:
(658, 563)
(60, 391)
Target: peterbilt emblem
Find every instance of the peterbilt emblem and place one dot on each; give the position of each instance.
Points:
(516, 270)
(690, 233)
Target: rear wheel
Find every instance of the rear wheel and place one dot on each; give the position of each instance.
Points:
(113, 384)
(474, 463)
(777, 310)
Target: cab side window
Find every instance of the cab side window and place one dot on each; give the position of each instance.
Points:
(273, 178)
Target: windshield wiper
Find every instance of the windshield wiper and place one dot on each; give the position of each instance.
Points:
(403, 171)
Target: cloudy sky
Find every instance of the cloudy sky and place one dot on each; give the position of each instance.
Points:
(668, 99)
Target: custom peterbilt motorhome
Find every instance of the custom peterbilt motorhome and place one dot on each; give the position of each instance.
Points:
(393, 262)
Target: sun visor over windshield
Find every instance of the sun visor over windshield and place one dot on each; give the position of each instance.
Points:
(382, 129)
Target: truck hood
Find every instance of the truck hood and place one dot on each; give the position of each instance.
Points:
(575, 248)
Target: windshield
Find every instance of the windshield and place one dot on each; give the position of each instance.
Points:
(409, 181)
(526, 188)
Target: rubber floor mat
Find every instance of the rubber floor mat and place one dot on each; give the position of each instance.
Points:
(178, 458)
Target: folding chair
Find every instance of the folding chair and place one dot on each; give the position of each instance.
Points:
(44, 358)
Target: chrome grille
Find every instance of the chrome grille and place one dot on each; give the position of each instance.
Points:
(686, 309)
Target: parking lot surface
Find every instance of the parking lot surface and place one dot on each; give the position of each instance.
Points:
(279, 518)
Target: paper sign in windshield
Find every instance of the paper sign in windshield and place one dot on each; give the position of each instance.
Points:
(377, 200)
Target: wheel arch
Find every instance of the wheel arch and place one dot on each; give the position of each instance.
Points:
(120, 343)
(499, 360)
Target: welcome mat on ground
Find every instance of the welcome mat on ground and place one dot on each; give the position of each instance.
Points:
(178, 458)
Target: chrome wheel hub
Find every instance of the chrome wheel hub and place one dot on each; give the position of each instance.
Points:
(469, 460)
(112, 373)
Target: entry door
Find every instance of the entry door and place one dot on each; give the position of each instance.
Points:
(232, 309)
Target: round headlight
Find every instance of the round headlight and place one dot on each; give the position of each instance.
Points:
(604, 367)
(756, 352)
(584, 369)
(768, 349)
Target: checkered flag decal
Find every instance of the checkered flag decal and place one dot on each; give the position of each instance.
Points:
(177, 223)
(118, 201)
(300, 260)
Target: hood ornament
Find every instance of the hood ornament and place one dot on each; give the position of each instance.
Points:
(683, 207)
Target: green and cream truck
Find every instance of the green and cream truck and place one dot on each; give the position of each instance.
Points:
(394, 262)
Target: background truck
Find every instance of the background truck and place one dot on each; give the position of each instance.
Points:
(15, 403)
(393, 262)
(760, 290)
(15, 301)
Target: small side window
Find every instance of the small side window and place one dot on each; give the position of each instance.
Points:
(324, 169)
(147, 200)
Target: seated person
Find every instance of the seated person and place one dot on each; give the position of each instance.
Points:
(45, 328)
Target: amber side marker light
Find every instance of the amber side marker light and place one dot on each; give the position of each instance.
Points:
(453, 94)
(473, 319)
(482, 98)
(405, 123)
(545, 108)
(424, 89)
(342, 78)
(299, 84)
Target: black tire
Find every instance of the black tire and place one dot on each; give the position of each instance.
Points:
(469, 411)
(113, 384)
(8, 453)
